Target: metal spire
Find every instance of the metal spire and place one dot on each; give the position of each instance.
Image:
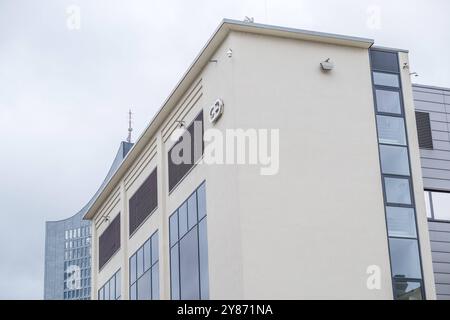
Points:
(130, 129)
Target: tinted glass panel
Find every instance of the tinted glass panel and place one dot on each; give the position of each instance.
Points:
(401, 222)
(388, 101)
(203, 252)
(407, 290)
(386, 79)
(133, 269)
(182, 219)
(147, 255)
(173, 228)
(140, 262)
(394, 160)
(397, 190)
(192, 210)
(384, 61)
(391, 130)
(189, 268)
(118, 285)
(133, 292)
(155, 248)
(144, 291)
(441, 205)
(155, 282)
(201, 198)
(405, 258)
(174, 273)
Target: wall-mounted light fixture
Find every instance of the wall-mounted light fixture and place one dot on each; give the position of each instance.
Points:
(327, 65)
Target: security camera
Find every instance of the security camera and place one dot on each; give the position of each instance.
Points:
(229, 53)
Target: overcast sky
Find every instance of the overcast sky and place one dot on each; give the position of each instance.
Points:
(64, 93)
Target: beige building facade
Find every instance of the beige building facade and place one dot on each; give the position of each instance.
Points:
(314, 226)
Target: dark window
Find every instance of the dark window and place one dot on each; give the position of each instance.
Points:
(192, 142)
(189, 249)
(384, 60)
(144, 271)
(109, 242)
(144, 201)
(424, 130)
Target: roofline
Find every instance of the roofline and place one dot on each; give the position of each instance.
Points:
(424, 86)
(224, 28)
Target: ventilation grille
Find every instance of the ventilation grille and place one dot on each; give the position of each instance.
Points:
(424, 130)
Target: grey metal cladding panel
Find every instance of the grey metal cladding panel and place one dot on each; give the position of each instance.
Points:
(438, 226)
(441, 145)
(436, 184)
(439, 135)
(443, 289)
(447, 98)
(435, 164)
(438, 116)
(440, 236)
(442, 278)
(437, 174)
(443, 257)
(431, 97)
(439, 267)
(440, 247)
(442, 297)
(435, 154)
(428, 106)
(439, 126)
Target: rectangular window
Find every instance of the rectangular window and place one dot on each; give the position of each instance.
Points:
(397, 190)
(384, 61)
(144, 201)
(388, 101)
(386, 79)
(109, 241)
(407, 290)
(111, 289)
(424, 130)
(391, 130)
(401, 222)
(189, 249)
(405, 259)
(441, 205)
(186, 152)
(394, 160)
(143, 277)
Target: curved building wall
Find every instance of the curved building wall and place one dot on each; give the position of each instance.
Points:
(68, 249)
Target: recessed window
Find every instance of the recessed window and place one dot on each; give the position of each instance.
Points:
(388, 101)
(394, 160)
(401, 222)
(405, 258)
(384, 60)
(397, 190)
(386, 79)
(391, 130)
(109, 241)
